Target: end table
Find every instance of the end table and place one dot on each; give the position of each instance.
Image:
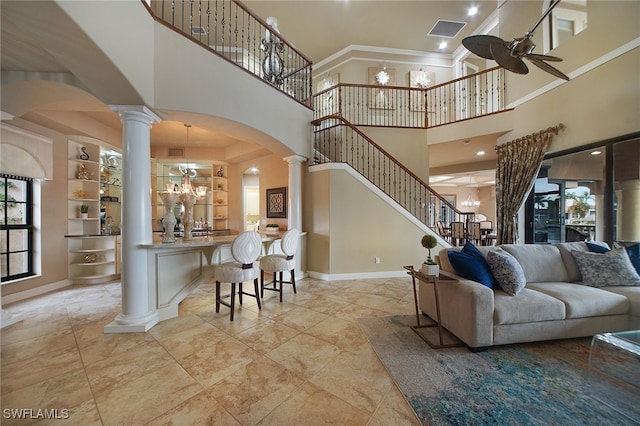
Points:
(419, 276)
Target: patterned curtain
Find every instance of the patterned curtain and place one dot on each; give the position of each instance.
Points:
(518, 165)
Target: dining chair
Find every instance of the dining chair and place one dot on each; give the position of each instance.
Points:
(277, 264)
(457, 233)
(474, 232)
(245, 250)
(443, 230)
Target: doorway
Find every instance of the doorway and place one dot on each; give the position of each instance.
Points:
(251, 199)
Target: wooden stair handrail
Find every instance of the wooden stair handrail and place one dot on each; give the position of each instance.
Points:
(317, 122)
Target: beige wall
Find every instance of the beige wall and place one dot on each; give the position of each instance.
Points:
(349, 226)
(54, 217)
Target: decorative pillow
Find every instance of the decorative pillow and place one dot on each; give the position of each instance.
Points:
(612, 268)
(507, 271)
(597, 247)
(470, 264)
(633, 251)
(634, 255)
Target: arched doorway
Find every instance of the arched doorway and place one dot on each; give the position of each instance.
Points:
(251, 198)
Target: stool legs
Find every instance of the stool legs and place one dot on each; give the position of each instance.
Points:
(277, 276)
(232, 297)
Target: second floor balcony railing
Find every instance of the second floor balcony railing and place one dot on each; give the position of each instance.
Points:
(229, 29)
(393, 106)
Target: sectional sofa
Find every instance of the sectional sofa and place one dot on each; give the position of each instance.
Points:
(556, 301)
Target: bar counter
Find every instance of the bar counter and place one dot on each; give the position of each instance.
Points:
(176, 269)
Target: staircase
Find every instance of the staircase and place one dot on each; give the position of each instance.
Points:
(336, 140)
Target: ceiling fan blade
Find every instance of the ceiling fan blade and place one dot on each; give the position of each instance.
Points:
(502, 56)
(545, 57)
(546, 67)
(480, 44)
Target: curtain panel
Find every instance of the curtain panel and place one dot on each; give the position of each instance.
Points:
(518, 165)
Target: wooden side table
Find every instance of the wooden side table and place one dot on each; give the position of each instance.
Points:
(418, 276)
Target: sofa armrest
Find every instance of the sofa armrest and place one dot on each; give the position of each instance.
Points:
(466, 308)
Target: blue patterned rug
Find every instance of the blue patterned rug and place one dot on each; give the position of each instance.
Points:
(544, 383)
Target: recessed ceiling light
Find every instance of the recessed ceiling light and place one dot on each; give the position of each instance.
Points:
(443, 45)
(480, 153)
(596, 153)
(472, 11)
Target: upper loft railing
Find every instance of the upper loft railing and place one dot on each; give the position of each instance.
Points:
(229, 29)
(464, 98)
(337, 140)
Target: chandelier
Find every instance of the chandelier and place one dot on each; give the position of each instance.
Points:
(187, 173)
(470, 202)
(272, 65)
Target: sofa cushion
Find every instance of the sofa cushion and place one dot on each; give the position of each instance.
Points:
(631, 293)
(529, 306)
(582, 301)
(507, 271)
(573, 271)
(469, 263)
(540, 262)
(612, 268)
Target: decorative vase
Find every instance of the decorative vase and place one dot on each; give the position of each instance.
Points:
(430, 269)
(188, 200)
(84, 215)
(169, 200)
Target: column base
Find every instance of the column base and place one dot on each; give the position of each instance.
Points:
(132, 323)
(7, 319)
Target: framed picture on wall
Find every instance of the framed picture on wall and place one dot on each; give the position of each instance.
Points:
(277, 203)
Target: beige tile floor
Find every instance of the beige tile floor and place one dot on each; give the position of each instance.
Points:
(301, 362)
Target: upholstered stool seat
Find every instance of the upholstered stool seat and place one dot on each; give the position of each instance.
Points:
(245, 249)
(277, 264)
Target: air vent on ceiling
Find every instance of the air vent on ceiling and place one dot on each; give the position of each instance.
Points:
(447, 29)
(198, 31)
(176, 152)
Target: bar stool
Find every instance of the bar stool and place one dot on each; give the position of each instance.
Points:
(245, 249)
(279, 263)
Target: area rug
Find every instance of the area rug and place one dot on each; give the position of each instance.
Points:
(545, 383)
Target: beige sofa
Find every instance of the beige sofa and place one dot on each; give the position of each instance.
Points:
(552, 305)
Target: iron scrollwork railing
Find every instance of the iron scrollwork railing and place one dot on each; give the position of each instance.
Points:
(229, 29)
(457, 100)
(338, 140)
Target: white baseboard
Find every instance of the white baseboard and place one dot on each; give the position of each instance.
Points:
(357, 275)
(26, 294)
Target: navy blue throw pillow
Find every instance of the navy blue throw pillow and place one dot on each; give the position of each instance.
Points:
(470, 264)
(633, 252)
(634, 255)
(596, 248)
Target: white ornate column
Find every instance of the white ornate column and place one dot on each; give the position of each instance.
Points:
(294, 199)
(138, 300)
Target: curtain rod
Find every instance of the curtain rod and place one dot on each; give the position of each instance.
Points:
(554, 129)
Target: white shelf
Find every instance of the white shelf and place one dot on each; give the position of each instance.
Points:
(93, 263)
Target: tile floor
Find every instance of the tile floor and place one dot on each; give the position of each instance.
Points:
(302, 362)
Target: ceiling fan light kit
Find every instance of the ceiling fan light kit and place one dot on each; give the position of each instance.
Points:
(509, 54)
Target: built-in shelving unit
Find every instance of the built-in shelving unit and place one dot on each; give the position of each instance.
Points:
(92, 259)
(110, 191)
(220, 218)
(93, 256)
(210, 213)
(82, 189)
